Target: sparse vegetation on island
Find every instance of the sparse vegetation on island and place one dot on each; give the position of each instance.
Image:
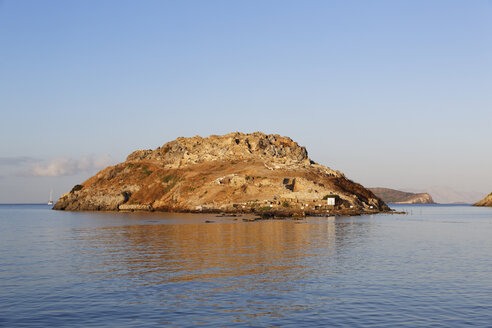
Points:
(235, 173)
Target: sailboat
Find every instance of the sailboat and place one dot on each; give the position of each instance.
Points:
(50, 202)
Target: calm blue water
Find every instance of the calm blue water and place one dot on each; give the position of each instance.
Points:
(429, 268)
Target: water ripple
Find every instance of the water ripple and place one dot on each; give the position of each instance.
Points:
(93, 269)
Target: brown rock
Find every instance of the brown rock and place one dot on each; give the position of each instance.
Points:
(231, 173)
(487, 201)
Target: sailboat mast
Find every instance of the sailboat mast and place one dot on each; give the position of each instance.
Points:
(50, 202)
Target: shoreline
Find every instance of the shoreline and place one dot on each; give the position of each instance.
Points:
(260, 214)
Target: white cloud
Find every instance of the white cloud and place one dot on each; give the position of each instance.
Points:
(68, 166)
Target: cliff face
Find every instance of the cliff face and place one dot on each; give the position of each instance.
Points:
(401, 197)
(232, 173)
(487, 201)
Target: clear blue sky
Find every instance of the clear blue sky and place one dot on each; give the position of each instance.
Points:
(392, 93)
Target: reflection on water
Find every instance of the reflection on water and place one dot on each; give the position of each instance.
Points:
(431, 267)
(161, 253)
(223, 273)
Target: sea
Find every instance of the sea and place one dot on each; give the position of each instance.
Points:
(429, 267)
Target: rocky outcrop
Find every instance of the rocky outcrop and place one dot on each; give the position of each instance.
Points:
(182, 152)
(401, 197)
(487, 201)
(230, 173)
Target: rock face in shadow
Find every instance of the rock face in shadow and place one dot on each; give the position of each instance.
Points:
(401, 197)
(487, 201)
(230, 173)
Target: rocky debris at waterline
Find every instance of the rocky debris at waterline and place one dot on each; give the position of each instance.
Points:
(233, 173)
(401, 197)
(487, 201)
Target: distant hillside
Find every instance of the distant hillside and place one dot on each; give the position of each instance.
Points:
(487, 201)
(401, 197)
(448, 195)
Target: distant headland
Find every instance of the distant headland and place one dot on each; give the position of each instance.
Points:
(256, 173)
(401, 197)
(487, 201)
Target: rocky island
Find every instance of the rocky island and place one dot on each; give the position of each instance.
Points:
(487, 201)
(233, 173)
(401, 197)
